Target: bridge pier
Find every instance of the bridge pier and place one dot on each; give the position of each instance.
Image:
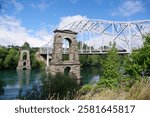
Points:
(57, 64)
(74, 69)
(24, 61)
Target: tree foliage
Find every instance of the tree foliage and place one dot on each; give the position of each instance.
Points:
(138, 63)
(3, 53)
(111, 73)
(26, 46)
(11, 59)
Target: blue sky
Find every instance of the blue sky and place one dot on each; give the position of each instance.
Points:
(35, 19)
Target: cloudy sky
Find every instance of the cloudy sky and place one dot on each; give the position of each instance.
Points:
(34, 20)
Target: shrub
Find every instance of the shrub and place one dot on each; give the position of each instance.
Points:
(56, 87)
(59, 87)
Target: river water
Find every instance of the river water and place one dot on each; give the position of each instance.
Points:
(14, 84)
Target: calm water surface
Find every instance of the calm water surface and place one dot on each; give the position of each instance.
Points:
(15, 84)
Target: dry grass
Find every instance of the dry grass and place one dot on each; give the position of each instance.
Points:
(139, 91)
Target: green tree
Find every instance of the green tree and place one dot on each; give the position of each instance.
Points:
(3, 53)
(35, 64)
(138, 63)
(111, 74)
(11, 59)
(26, 46)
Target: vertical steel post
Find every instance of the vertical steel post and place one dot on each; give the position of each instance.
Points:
(90, 35)
(81, 44)
(129, 38)
(113, 31)
(47, 63)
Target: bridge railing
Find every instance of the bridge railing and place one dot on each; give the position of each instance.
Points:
(45, 51)
(102, 50)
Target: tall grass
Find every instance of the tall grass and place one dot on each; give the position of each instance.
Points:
(140, 90)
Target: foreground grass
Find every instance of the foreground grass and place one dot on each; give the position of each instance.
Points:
(140, 90)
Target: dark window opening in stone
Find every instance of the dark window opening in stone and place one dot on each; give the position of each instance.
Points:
(66, 45)
(24, 63)
(50, 60)
(67, 71)
(24, 56)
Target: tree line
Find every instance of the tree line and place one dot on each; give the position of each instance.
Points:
(9, 57)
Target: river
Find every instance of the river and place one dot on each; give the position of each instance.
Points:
(15, 84)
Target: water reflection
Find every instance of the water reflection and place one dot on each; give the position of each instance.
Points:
(23, 75)
(90, 75)
(1, 88)
(16, 84)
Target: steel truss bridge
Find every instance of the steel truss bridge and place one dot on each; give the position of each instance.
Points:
(97, 36)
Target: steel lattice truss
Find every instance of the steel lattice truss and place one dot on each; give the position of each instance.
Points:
(95, 36)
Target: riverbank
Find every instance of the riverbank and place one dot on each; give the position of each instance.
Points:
(138, 91)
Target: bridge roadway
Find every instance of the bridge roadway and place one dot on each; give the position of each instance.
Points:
(94, 52)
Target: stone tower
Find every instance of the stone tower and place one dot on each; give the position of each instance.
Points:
(24, 61)
(57, 64)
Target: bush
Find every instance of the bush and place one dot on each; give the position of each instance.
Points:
(59, 87)
(56, 87)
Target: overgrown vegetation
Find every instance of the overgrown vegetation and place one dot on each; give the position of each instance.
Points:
(122, 79)
(8, 58)
(138, 91)
(55, 87)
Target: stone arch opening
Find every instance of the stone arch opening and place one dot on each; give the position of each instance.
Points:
(67, 70)
(24, 56)
(66, 46)
(24, 63)
(24, 68)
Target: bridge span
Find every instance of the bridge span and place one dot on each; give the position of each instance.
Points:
(89, 37)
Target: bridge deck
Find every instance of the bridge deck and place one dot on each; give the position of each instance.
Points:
(89, 53)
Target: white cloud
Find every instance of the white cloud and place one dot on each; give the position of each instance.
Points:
(15, 6)
(13, 33)
(128, 8)
(19, 7)
(70, 19)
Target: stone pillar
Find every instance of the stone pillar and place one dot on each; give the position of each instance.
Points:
(57, 64)
(24, 63)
